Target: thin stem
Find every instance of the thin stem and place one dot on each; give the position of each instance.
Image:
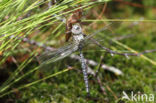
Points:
(119, 53)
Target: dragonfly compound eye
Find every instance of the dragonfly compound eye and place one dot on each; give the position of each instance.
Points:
(76, 29)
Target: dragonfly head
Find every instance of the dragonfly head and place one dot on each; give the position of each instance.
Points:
(76, 29)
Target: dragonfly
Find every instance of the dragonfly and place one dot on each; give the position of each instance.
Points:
(79, 40)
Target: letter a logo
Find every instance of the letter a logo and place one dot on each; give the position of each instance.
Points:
(125, 96)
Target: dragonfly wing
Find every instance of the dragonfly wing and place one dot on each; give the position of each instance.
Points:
(99, 35)
(53, 56)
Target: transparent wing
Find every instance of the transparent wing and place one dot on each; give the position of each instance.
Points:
(53, 56)
(98, 34)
